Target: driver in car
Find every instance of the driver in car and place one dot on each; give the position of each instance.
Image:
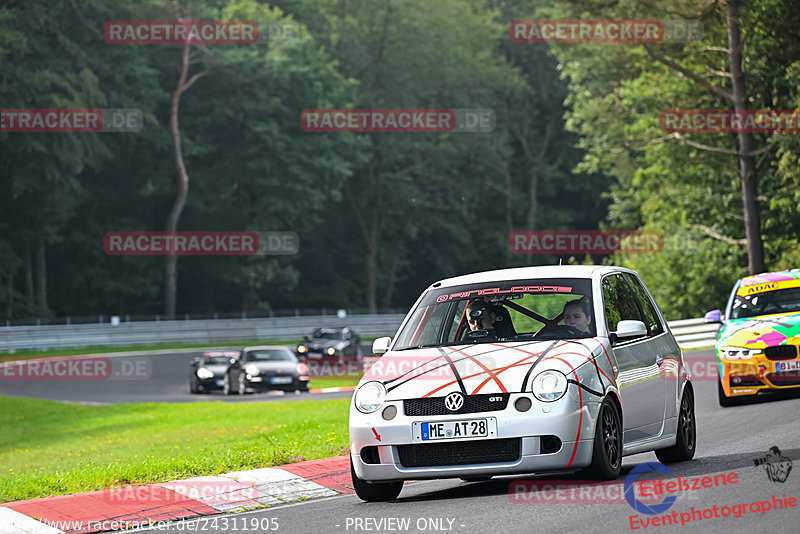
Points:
(488, 318)
(578, 314)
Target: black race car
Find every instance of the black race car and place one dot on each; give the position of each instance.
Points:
(208, 372)
(263, 368)
(329, 342)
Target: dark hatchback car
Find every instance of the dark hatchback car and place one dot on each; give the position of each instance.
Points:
(208, 372)
(329, 342)
(265, 368)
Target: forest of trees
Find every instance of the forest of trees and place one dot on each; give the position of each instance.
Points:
(577, 145)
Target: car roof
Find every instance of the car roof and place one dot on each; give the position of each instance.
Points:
(523, 273)
(266, 347)
(777, 276)
(214, 353)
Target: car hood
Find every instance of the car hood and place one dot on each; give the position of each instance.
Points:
(482, 369)
(217, 369)
(274, 367)
(761, 332)
(317, 344)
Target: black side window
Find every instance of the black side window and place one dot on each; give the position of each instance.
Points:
(651, 321)
(619, 302)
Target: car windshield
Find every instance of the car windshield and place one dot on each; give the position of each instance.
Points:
(766, 303)
(276, 355)
(217, 360)
(514, 311)
(328, 334)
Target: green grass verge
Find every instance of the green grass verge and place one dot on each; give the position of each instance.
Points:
(334, 381)
(48, 448)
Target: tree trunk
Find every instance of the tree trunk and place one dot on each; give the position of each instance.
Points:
(41, 275)
(171, 275)
(747, 171)
(28, 274)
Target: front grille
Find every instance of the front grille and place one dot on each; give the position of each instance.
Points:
(484, 451)
(472, 404)
(781, 352)
(786, 379)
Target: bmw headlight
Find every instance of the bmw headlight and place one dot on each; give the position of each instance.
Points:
(370, 397)
(302, 348)
(251, 370)
(204, 373)
(331, 351)
(738, 353)
(549, 386)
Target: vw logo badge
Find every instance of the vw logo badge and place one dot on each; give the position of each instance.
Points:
(454, 402)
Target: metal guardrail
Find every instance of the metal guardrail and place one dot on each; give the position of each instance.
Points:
(15, 338)
(690, 333)
(694, 333)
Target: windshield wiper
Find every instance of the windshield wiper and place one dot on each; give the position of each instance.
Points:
(423, 346)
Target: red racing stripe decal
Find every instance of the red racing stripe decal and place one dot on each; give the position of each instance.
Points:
(580, 411)
(499, 383)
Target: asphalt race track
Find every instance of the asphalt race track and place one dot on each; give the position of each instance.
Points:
(158, 377)
(729, 440)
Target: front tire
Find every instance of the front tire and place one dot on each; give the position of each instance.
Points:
(241, 386)
(607, 451)
(374, 492)
(193, 386)
(686, 441)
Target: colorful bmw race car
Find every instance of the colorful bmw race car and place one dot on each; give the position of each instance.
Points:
(757, 346)
(518, 371)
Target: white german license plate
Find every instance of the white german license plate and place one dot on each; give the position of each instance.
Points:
(787, 366)
(280, 380)
(471, 428)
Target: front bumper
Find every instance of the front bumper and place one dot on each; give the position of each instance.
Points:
(210, 383)
(755, 375)
(572, 423)
(264, 383)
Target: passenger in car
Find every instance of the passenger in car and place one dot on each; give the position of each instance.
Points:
(578, 314)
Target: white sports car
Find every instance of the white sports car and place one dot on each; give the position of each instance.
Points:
(518, 371)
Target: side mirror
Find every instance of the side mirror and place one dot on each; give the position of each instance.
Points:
(381, 345)
(714, 316)
(308, 337)
(629, 329)
(233, 361)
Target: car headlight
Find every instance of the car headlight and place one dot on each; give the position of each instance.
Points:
(738, 353)
(369, 397)
(204, 373)
(251, 369)
(302, 348)
(549, 386)
(331, 351)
